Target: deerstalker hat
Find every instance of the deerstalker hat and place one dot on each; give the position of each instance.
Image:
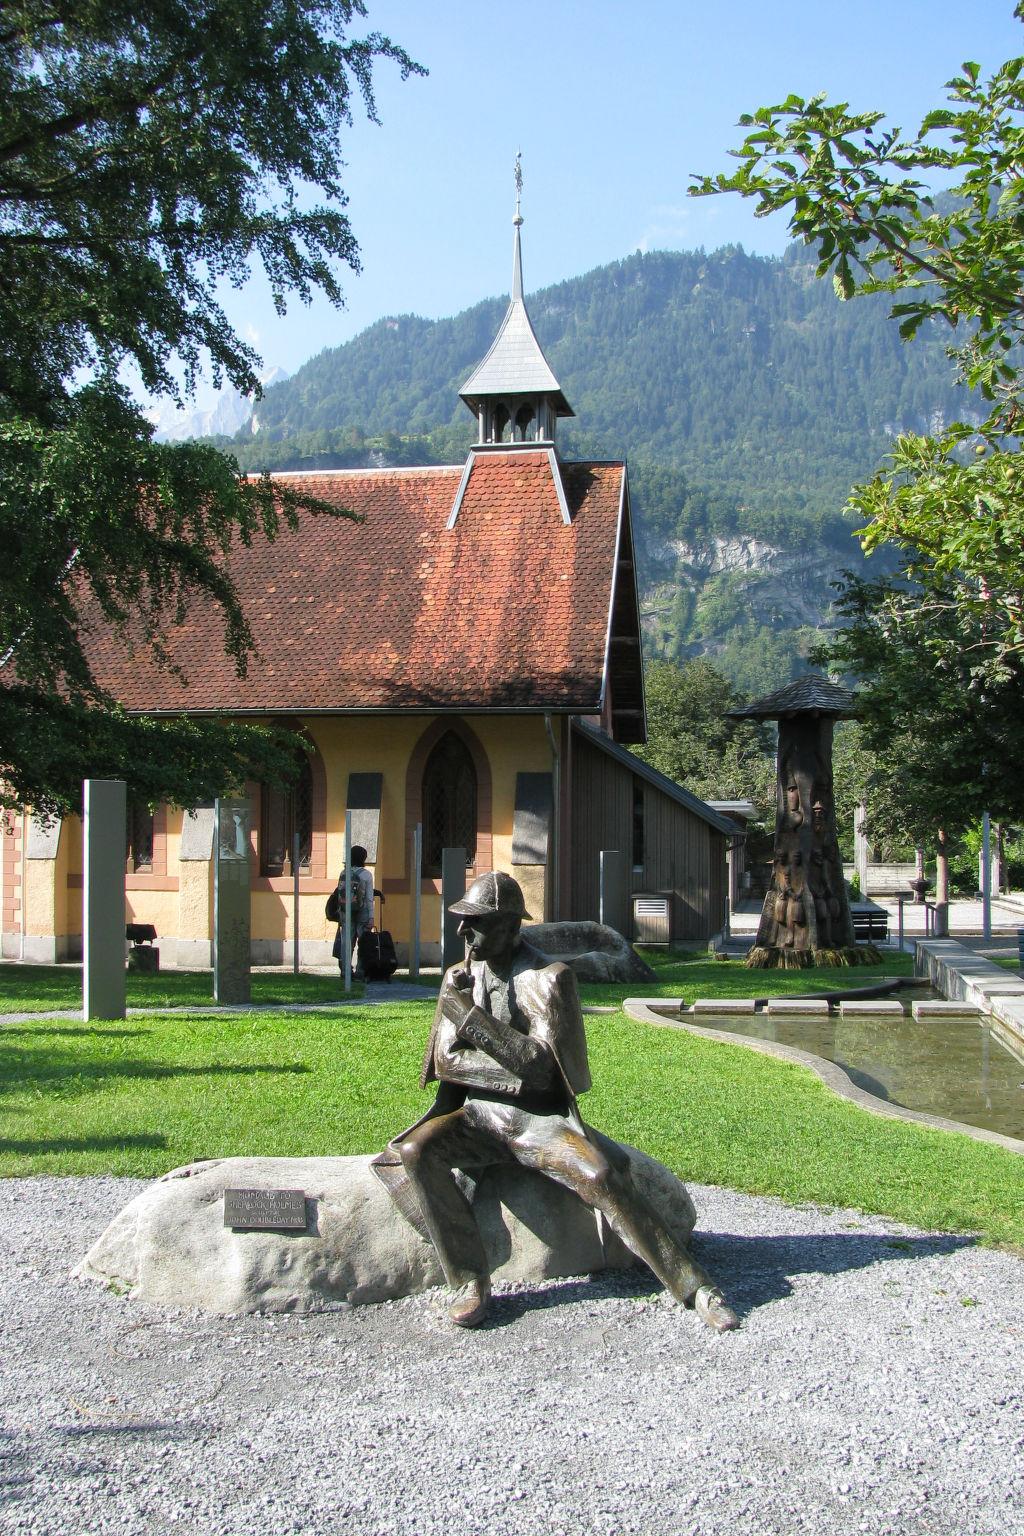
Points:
(494, 892)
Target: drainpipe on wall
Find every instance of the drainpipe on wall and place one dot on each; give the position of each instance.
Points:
(556, 820)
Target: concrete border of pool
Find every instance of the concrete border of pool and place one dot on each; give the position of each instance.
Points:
(961, 974)
(665, 1013)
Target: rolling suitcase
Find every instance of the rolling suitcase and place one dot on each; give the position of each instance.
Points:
(376, 950)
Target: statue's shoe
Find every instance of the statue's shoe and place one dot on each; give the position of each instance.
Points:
(711, 1305)
(468, 1305)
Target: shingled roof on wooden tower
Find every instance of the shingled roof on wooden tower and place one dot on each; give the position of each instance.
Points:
(811, 694)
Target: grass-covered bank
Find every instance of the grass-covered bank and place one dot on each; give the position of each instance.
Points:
(140, 1096)
(43, 988)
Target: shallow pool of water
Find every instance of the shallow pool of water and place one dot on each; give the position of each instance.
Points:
(961, 1069)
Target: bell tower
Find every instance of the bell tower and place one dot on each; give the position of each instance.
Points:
(513, 393)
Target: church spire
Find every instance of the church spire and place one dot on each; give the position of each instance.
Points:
(513, 392)
(517, 254)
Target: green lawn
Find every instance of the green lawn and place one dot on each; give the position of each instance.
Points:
(141, 1096)
(39, 988)
(696, 974)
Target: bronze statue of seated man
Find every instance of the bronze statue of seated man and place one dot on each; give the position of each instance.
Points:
(509, 1051)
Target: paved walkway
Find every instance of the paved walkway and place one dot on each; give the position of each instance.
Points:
(965, 921)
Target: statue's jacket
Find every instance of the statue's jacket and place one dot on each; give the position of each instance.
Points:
(543, 993)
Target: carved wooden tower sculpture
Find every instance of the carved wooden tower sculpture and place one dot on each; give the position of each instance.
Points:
(806, 917)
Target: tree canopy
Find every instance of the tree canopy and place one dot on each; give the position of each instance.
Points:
(862, 192)
(691, 738)
(149, 154)
(943, 730)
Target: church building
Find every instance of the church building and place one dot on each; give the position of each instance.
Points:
(467, 658)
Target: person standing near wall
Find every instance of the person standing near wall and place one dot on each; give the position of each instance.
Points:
(361, 894)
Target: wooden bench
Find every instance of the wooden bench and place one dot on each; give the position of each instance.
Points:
(870, 927)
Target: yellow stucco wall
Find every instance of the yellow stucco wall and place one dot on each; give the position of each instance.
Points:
(184, 910)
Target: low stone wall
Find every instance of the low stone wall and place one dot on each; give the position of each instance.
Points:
(959, 973)
(885, 879)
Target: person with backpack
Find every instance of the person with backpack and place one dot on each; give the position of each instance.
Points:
(361, 893)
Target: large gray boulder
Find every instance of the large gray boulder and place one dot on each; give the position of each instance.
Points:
(593, 950)
(170, 1244)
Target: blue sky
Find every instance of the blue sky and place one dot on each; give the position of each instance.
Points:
(613, 106)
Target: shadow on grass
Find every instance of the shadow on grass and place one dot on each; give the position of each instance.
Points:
(34, 1030)
(83, 1144)
(19, 1072)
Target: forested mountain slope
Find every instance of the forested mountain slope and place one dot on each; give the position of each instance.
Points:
(745, 396)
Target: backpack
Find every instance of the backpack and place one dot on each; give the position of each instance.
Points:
(332, 909)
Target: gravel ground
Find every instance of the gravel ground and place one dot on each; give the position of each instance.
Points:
(875, 1385)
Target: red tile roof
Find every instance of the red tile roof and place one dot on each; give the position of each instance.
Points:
(509, 609)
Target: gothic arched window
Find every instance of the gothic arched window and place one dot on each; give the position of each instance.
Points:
(524, 423)
(449, 802)
(500, 421)
(285, 810)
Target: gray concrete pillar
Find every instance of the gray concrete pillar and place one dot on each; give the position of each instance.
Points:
(103, 855)
(861, 849)
(453, 888)
(231, 901)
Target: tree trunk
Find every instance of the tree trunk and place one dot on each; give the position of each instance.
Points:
(806, 907)
(941, 868)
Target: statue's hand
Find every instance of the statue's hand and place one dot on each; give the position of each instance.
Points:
(456, 1005)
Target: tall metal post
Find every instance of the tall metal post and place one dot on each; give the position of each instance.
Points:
(346, 897)
(417, 901)
(295, 904)
(986, 877)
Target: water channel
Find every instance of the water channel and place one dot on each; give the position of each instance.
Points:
(963, 1069)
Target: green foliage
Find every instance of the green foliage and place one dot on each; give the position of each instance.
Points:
(941, 720)
(147, 154)
(691, 739)
(852, 187)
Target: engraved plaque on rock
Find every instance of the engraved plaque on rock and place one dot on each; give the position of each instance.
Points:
(271, 1210)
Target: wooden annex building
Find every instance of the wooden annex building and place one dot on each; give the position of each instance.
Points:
(468, 658)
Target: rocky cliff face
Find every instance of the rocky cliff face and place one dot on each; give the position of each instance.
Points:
(722, 593)
(775, 585)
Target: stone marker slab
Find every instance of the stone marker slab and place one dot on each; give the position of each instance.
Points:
(721, 1005)
(945, 1010)
(232, 902)
(870, 1007)
(170, 1245)
(816, 1008)
(103, 914)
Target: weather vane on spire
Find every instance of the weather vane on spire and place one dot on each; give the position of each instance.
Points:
(519, 185)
